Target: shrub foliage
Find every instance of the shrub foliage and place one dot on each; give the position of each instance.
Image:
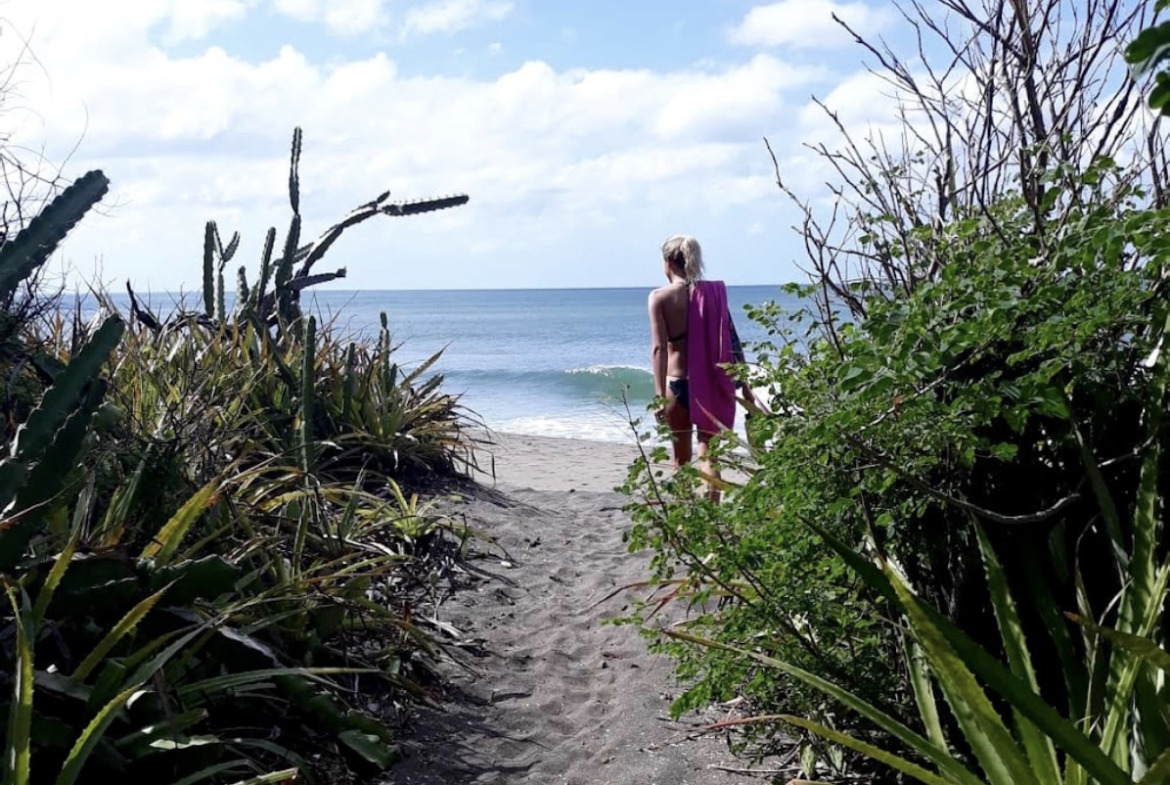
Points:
(205, 550)
(971, 404)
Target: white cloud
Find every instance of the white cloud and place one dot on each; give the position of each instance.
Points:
(808, 23)
(355, 16)
(194, 20)
(451, 16)
(587, 167)
(345, 17)
(301, 10)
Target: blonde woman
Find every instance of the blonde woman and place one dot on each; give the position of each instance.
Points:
(692, 339)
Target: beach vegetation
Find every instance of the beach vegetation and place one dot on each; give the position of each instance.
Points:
(208, 546)
(947, 560)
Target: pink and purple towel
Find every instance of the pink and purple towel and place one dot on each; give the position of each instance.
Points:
(712, 391)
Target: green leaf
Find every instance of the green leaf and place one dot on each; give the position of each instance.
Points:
(924, 699)
(1067, 736)
(869, 750)
(1038, 745)
(93, 733)
(1158, 773)
(369, 747)
(232, 681)
(1149, 48)
(993, 745)
(60, 565)
(940, 757)
(1137, 645)
(119, 631)
(18, 745)
(171, 535)
(275, 778)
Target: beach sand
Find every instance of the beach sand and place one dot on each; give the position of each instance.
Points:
(545, 692)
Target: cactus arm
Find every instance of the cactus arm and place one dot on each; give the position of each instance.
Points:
(314, 251)
(51, 441)
(243, 295)
(284, 270)
(294, 177)
(424, 205)
(209, 240)
(66, 390)
(297, 284)
(230, 249)
(258, 293)
(34, 244)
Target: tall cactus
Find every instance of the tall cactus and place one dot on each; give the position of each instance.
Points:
(215, 258)
(291, 272)
(253, 303)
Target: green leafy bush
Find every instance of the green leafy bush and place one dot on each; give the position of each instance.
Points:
(984, 306)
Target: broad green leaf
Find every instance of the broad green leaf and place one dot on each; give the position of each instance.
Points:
(1149, 48)
(992, 744)
(1065, 734)
(1039, 747)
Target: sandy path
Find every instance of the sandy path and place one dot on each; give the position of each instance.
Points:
(555, 697)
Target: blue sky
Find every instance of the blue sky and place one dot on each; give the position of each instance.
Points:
(584, 132)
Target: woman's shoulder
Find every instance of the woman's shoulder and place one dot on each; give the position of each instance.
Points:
(662, 292)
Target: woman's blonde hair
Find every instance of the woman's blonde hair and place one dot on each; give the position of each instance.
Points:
(683, 253)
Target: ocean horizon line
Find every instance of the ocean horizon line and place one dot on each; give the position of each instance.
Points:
(197, 291)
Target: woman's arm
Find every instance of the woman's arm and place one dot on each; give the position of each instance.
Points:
(740, 358)
(657, 344)
(737, 354)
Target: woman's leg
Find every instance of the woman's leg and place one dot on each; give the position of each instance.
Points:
(707, 465)
(679, 420)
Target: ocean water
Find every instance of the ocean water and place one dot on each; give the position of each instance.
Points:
(547, 362)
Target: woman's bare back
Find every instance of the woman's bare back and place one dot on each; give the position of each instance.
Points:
(669, 306)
